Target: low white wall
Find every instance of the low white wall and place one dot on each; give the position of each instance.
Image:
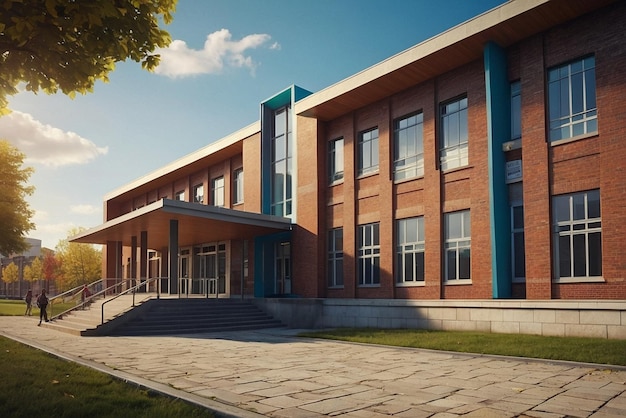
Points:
(601, 319)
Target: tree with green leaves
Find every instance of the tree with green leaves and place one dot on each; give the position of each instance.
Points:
(15, 213)
(80, 263)
(67, 45)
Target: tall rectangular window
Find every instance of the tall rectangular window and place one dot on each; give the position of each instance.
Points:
(238, 186)
(518, 245)
(577, 236)
(180, 195)
(408, 147)
(368, 244)
(516, 110)
(368, 152)
(198, 193)
(454, 135)
(282, 163)
(335, 161)
(572, 99)
(217, 191)
(410, 250)
(335, 257)
(457, 246)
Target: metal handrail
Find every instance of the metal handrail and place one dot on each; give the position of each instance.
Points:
(87, 300)
(73, 292)
(134, 289)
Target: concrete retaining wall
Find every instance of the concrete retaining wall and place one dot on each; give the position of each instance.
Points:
(600, 319)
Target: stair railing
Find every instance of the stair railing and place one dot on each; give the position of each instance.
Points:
(77, 292)
(71, 295)
(144, 284)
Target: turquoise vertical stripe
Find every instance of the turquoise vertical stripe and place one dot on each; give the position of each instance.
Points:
(498, 132)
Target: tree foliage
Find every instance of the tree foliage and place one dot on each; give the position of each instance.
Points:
(67, 45)
(34, 271)
(80, 263)
(51, 267)
(11, 273)
(15, 213)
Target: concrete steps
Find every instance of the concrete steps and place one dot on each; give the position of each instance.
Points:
(164, 316)
(80, 321)
(191, 316)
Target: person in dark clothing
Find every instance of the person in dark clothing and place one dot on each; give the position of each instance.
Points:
(29, 302)
(42, 302)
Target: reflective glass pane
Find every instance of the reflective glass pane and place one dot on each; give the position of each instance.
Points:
(595, 254)
(453, 226)
(593, 204)
(464, 263)
(564, 257)
(561, 208)
(578, 202)
(580, 255)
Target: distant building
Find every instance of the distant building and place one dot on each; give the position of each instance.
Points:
(483, 163)
(20, 260)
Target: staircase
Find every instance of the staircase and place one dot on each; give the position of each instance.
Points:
(164, 316)
(192, 316)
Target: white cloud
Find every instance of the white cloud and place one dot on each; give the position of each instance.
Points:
(219, 51)
(84, 209)
(45, 144)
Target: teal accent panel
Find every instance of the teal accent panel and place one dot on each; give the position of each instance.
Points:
(498, 132)
(264, 262)
(300, 93)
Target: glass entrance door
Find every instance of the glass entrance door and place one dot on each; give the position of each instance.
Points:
(184, 272)
(210, 268)
(282, 282)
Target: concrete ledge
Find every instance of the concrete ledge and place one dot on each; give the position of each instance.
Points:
(575, 318)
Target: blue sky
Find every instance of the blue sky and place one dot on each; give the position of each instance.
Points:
(227, 57)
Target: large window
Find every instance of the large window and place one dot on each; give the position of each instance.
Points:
(217, 191)
(572, 99)
(408, 147)
(368, 243)
(457, 246)
(335, 160)
(516, 110)
(410, 251)
(577, 235)
(238, 186)
(198, 193)
(368, 152)
(282, 163)
(454, 135)
(335, 257)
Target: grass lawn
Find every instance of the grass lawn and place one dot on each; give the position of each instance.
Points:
(35, 383)
(18, 307)
(587, 350)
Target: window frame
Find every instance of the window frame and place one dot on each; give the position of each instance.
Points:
(571, 228)
(516, 109)
(517, 231)
(336, 278)
(415, 250)
(560, 76)
(416, 142)
(179, 195)
(238, 180)
(370, 143)
(218, 192)
(458, 244)
(335, 161)
(368, 255)
(198, 198)
(459, 152)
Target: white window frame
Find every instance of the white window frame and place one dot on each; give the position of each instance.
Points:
(335, 161)
(571, 226)
(410, 252)
(238, 186)
(408, 144)
(457, 245)
(198, 193)
(565, 82)
(454, 145)
(335, 258)
(368, 152)
(368, 258)
(217, 191)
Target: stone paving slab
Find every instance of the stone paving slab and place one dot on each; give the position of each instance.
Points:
(273, 373)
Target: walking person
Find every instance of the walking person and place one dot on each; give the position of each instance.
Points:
(29, 302)
(42, 302)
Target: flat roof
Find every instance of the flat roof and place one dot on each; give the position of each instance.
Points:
(197, 223)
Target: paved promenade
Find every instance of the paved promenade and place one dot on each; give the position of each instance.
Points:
(273, 373)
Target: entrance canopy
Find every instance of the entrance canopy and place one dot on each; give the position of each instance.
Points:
(197, 223)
